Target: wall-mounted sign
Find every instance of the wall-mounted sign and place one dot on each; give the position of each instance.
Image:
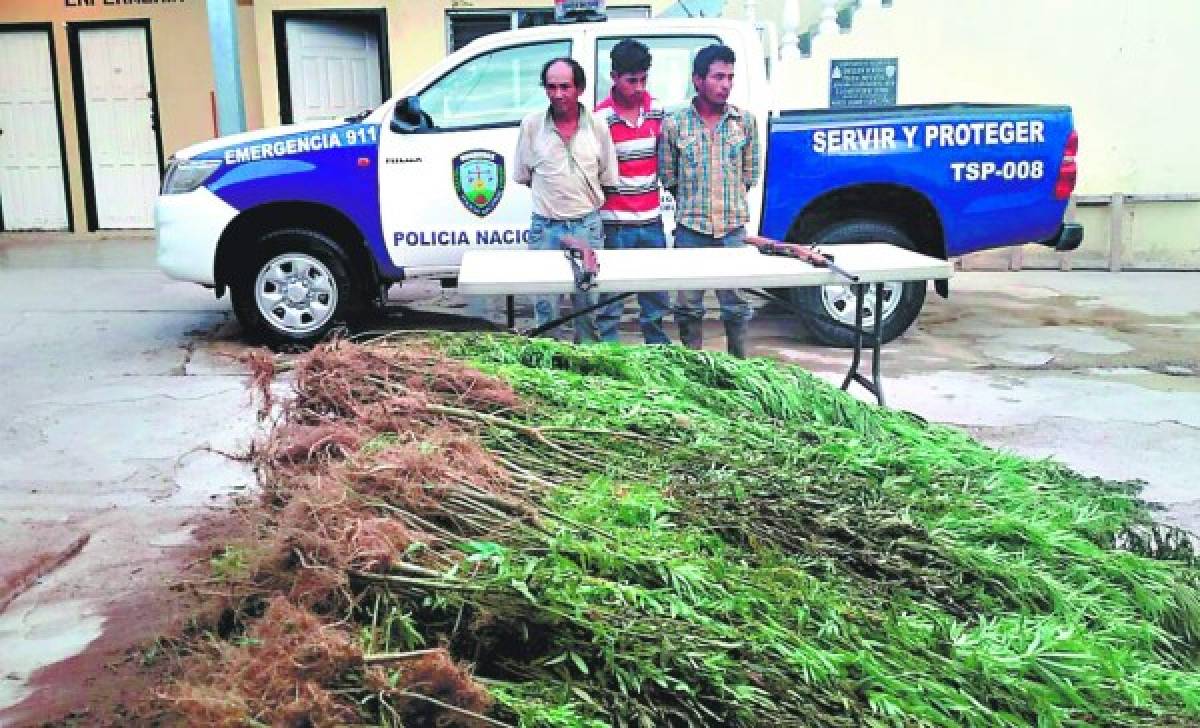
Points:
(862, 82)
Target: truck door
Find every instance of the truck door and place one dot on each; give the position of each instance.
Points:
(448, 188)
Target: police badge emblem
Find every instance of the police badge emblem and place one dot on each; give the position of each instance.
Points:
(479, 180)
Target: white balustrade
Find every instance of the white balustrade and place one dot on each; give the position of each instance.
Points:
(829, 24)
(789, 44)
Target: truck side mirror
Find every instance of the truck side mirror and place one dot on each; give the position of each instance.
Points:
(408, 118)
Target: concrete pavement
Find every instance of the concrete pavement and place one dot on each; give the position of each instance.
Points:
(113, 384)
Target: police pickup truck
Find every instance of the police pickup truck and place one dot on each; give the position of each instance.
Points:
(310, 223)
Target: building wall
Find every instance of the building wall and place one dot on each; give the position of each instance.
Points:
(1124, 67)
(807, 12)
(182, 68)
(248, 57)
(182, 59)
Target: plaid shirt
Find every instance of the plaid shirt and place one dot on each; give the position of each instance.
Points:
(709, 172)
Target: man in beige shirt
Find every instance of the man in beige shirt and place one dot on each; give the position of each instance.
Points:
(568, 161)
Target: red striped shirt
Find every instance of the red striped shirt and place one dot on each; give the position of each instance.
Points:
(636, 196)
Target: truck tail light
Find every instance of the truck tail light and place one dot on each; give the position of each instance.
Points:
(1067, 170)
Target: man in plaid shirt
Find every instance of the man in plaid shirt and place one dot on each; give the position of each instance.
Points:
(708, 158)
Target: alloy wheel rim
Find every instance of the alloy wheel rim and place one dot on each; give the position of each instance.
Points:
(839, 302)
(296, 293)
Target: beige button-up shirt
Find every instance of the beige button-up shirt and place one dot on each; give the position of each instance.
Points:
(567, 176)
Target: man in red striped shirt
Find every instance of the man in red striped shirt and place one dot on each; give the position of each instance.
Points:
(631, 214)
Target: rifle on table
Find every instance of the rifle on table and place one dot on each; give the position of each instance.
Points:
(583, 261)
(807, 253)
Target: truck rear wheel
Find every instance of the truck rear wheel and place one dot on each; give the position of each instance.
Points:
(829, 308)
(294, 289)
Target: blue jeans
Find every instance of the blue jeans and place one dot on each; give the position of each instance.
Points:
(690, 304)
(547, 234)
(653, 304)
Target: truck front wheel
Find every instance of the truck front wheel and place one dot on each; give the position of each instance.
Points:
(293, 290)
(829, 309)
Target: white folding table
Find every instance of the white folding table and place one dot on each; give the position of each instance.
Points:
(623, 273)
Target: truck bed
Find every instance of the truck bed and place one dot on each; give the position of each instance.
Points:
(987, 170)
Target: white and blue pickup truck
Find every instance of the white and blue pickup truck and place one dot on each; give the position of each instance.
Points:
(310, 223)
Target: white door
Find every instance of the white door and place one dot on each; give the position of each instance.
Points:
(333, 68)
(120, 125)
(31, 167)
(445, 192)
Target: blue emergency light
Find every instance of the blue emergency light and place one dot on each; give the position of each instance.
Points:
(579, 11)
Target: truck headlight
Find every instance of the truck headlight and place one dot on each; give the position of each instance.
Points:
(185, 175)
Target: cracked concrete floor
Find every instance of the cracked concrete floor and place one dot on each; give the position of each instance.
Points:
(116, 394)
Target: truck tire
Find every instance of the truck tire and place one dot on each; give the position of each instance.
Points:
(828, 306)
(293, 290)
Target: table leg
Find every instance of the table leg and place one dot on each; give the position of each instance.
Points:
(852, 374)
(874, 385)
(877, 345)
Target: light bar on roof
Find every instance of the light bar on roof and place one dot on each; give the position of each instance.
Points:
(579, 11)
